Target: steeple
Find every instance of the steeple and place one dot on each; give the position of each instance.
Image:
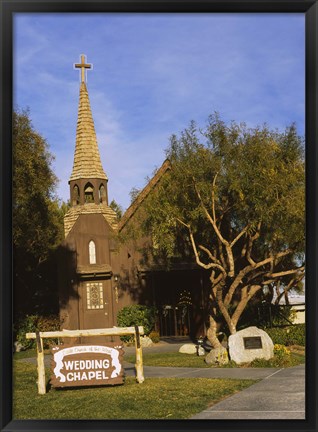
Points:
(88, 181)
(87, 163)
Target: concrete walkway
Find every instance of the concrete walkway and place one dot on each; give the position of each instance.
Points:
(279, 395)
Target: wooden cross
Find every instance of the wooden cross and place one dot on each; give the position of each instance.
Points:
(83, 66)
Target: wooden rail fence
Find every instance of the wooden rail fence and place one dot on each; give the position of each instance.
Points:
(136, 331)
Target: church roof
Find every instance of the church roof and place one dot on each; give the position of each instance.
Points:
(89, 208)
(143, 194)
(87, 162)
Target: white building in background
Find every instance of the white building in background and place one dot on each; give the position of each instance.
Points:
(297, 302)
(298, 306)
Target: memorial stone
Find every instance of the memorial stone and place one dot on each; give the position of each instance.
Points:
(248, 344)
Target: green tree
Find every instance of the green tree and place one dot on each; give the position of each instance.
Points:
(117, 209)
(37, 218)
(235, 195)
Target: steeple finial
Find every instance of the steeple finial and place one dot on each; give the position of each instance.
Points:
(83, 66)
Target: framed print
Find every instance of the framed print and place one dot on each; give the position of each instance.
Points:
(158, 215)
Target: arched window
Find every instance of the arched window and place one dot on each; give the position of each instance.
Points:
(92, 252)
(102, 194)
(75, 195)
(89, 193)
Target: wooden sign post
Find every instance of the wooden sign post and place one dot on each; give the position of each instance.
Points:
(98, 362)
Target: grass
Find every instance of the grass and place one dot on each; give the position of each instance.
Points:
(192, 360)
(156, 398)
(28, 354)
(174, 359)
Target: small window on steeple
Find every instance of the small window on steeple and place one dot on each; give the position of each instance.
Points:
(102, 194)
(89, 193)
(92, 252)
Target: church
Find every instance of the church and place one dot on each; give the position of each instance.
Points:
(98, 274)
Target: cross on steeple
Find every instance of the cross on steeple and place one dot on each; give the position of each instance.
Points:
(83, 66)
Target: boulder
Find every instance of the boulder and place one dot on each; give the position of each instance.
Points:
(200, 350)
(18, 347)
(146, 341)
(217, 356)
(249, 344)
(188, 348)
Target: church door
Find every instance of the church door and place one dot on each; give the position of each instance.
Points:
(96, 304)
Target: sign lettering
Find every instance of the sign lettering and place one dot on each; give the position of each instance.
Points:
(253, 342)
(84, 365)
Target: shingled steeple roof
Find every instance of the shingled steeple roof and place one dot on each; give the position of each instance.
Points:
(87, 162)
(88, 181)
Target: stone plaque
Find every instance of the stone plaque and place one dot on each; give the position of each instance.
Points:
(249, 344)
(87, 365)
(252, 342)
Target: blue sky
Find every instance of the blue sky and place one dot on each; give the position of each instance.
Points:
(152, 74)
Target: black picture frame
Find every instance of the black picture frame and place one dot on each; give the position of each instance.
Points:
(310, 8)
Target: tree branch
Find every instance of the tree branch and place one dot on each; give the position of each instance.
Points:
(247, 270)
(218, 233)
(287, 272)
(213, 197)
(239, 235)
(246, 296)
(250, 244)
(211, 256)
(197, 258)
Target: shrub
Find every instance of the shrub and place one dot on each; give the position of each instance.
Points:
(291, 335)
(136, 315)
(33, 323)
(154, 336)
(281, 352)
(282, 358)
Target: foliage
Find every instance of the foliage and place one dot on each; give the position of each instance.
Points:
(282, 358)
(291, 335)
(117, 209)
(183, 397)
(37, 219)
(233, 201)
(136, 315)
(154, 336)
(280, 351)
(33, 323)
(134, 194)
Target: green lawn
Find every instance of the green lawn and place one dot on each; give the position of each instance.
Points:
(177, 359)
(28, 354)
(156, 398)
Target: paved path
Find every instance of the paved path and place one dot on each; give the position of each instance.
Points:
(279, 395)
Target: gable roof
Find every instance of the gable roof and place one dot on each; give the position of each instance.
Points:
(143, 194)
(89, 208)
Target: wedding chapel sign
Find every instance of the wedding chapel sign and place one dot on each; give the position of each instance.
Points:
(87, 365)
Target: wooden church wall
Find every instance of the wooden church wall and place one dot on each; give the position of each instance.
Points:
(81, 282)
